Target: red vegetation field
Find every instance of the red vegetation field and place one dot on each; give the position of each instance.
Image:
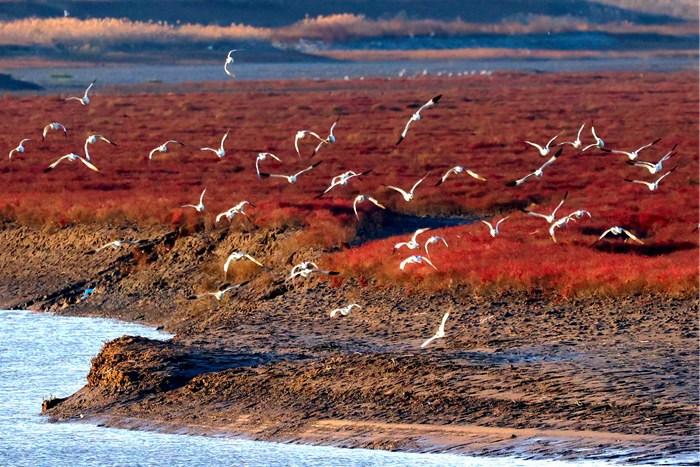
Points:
(480, 123)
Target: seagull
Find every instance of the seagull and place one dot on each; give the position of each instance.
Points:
(576, 144)
(85, 100)
(162, 148)
(412, 244)
(301, 134)
(632, 155)
(653, 186)
(458, 169)
(219, 294)
(408, 197)
(229, 61)
(92, 139)
(290, 178)
(329, 140)
(432, 240)
(537, 173)
(599, 143)
(493, 230)
(440, 332)
(548, 217)
(343, 179)
(306, 268)
(416, 259)
(53, 126)
(231, 213)
(345, 310)
(361, 199)
(650, 166)
(261, 157)
(72, 158)
(116, 244)
(221, 152)
(617, 231)
(544, 151)
(416, 116)
(561, 223)
(197, 207)
(237, 256)
(20, 147)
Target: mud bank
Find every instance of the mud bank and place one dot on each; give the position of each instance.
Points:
(611, 378)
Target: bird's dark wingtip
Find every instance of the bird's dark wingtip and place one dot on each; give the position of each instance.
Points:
(559, 152)
(512, 183)
(628, 162)
(437, 98)
(333, 273)
(399, 141)
(655, 141)
(264, 175)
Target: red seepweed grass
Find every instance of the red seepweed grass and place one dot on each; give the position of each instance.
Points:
(480, 123)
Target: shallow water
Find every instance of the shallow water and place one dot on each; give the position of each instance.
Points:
(43, 355)
(65, 77)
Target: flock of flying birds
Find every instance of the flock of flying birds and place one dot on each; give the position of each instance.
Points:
(305, 269)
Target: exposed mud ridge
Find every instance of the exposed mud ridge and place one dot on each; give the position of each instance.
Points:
(612, 378)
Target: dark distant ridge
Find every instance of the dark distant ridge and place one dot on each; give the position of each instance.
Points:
(275, 13)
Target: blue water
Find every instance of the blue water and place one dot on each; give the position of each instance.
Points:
(43, 355)
(75, 77)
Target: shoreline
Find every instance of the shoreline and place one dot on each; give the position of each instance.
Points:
(272, 371)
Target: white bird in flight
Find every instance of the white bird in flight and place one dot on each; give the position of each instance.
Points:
(344, 310)
(576, 144)
(457, 170)
(92, 139)
(162, 148)
(229, 61)
(599, 143)
(343, 179)
(416, 116)
(72, 157)
(408, 196)
(199, 207)
(301, 134)
(329, 140)
(306, 268)
(361, 199)
(290, 178)
(416, 259)
(440, 332)
(219, 294)
(20, 147)
(543, 150)
(632, 155)
(85, 100)
(261, 157)
(650, 166)
(235, 210)
(548, 217)
(237, 256)
(537, 173)
(220, 152)
(53, 126)
(561, 223)
(116, 244)
(653, 186)
(433, 240)
(493, 229)
(620, 231)
(412, 244)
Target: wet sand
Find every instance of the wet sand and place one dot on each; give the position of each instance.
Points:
(518, 374)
